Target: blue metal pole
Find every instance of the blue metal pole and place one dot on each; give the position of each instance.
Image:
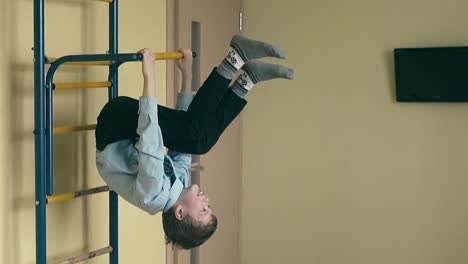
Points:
(49, 137)
(113, 92)
(113, 46)
(114, 227)
(39, 133)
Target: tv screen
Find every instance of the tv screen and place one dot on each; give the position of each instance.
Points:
(431, 74)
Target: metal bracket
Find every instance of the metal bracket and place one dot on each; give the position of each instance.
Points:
(241, 22)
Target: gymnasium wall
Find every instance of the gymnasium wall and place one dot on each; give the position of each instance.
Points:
(81, 225)
(334, 170)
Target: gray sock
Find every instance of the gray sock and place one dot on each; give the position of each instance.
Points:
(243, 49)
(254, 72)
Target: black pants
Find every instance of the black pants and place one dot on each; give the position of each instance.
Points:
(196, 131)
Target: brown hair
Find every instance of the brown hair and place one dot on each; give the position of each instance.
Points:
(187, 233)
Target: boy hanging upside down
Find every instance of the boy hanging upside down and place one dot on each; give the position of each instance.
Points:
(131, 136)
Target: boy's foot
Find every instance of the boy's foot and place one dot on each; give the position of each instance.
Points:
(242, 50)
(254, 72)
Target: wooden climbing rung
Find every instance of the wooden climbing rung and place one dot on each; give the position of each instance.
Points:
(68, 129)
(90, 255)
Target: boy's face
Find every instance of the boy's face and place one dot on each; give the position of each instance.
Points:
(196, 204)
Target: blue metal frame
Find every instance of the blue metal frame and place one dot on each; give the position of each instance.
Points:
(43, 121)
(118, 59)
(39, 131)
(113, 46)
(113, 92)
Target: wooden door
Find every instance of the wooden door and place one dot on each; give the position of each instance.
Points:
(207, 26)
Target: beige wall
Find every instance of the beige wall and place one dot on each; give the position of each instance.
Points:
(334, 170)
(72, 27)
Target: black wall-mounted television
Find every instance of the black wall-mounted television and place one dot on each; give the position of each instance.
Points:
(431, 74)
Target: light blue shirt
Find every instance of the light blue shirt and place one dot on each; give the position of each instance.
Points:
(136, 172)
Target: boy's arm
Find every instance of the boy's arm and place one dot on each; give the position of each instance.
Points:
(148, 73)
(185, 66)
(152, 185)
(182, 161)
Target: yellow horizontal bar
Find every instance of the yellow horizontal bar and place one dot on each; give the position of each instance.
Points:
(60, 197)
(107, 1)
(82, 85)
(71, 195)
(68, 129)
(168, 56)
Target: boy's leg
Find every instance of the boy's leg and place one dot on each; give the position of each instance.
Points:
(178, 132)
(209, 95)
(182, 130)
(241, 50)
(117, 121)
(212, 125)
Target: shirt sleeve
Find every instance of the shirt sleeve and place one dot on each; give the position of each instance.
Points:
(152, 186)
(183, 101)
(182, 161)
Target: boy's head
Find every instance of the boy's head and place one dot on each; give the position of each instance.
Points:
(190, 222)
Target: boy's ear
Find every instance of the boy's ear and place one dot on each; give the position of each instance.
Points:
(179, 212)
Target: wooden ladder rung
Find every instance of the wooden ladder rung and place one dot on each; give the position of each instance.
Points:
(68, 129)
(90, 255)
